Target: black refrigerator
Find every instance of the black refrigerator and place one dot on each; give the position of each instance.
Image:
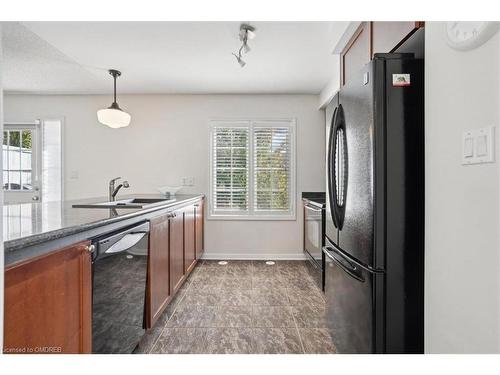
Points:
(374, 246)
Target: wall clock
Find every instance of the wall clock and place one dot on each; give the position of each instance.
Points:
(466, 35)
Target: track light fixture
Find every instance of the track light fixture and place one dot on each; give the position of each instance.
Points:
(247, 32)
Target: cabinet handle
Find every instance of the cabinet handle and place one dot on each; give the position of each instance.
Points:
(171, 215)
(90, 248)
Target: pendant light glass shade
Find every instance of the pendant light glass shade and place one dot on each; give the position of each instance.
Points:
(113, 116)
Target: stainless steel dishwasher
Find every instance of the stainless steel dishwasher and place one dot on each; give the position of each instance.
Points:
(119, 269)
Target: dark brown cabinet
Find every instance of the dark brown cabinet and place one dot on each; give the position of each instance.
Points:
(370, 38)
(387, 36)
(199, 231)
(189, 239)
(158, 288)
(175, 244)
(357, 53)
(48, 303)
(176, 250)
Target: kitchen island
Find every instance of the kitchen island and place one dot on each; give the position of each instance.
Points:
(32, 229)
(49, 252)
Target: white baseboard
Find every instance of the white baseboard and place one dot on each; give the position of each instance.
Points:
(253, 256)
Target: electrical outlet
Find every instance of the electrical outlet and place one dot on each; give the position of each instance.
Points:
(187, 181)
(73, 175)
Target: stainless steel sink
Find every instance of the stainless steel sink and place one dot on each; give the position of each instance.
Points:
(126, 203)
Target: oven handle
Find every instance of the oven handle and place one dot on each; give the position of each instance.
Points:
(126, 242)
(312, 208)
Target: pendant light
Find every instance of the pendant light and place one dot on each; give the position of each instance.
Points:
(114, 116)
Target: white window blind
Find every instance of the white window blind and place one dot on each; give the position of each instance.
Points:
(252, 169)
(230, 153)
(272, 163)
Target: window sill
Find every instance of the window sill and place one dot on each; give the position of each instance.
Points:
(251, 218)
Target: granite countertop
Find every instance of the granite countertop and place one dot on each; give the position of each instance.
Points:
(27, 224)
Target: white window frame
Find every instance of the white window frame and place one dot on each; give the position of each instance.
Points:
(251, 214)
(36, 128)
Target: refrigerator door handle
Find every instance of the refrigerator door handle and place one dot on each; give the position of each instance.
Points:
(331, 169)
(340, 172)
(345, 265)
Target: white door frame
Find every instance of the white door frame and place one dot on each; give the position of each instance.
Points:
(20, 196)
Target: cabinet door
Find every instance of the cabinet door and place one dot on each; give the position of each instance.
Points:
(199, 235)
(158, 290)
(48, 303)
(189, 239)
(176, 250)
(357, 53)
(387, 36)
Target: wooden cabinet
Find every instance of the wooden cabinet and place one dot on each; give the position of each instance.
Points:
(176, 250)
(199, 231)
(189, 239)
(356, 53)
(48, 303)
(387, 36)
(175, 245)
(371, 38)
(158, 284)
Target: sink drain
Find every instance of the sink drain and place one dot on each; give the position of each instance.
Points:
(270, 263)
(222, 263)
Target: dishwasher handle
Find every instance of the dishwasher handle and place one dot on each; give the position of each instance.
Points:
(125, 243)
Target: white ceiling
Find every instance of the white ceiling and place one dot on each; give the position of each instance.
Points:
(167, 57)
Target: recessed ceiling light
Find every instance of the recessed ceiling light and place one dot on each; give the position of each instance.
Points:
(270, 263)
(222, 262)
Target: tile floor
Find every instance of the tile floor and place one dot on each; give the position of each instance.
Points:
(244, 307)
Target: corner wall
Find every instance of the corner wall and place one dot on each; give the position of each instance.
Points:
(462, 290)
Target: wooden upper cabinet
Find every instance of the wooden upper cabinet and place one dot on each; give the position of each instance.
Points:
(387, 36)
(158, 288)
(199, 231)
(48, 303)
(176, 250)
(356, 53)
(189, 239)
(371, 38)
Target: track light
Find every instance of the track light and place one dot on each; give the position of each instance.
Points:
(247, 32)
(240, 60)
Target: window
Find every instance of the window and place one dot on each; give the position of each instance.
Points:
(32, 161)
(252, 169)
(18, 161)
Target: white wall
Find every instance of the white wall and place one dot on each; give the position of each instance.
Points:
(168, 139)
(462, 291)
(333, 86)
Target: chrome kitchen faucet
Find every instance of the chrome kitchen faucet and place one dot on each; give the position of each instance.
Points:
(113, 191)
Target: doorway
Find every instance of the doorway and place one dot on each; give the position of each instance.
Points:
(33, 161)
(21, 162)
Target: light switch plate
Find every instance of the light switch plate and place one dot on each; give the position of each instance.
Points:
(478, 146)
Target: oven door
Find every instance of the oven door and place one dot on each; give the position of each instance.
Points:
(314, 218)
(313, 233)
